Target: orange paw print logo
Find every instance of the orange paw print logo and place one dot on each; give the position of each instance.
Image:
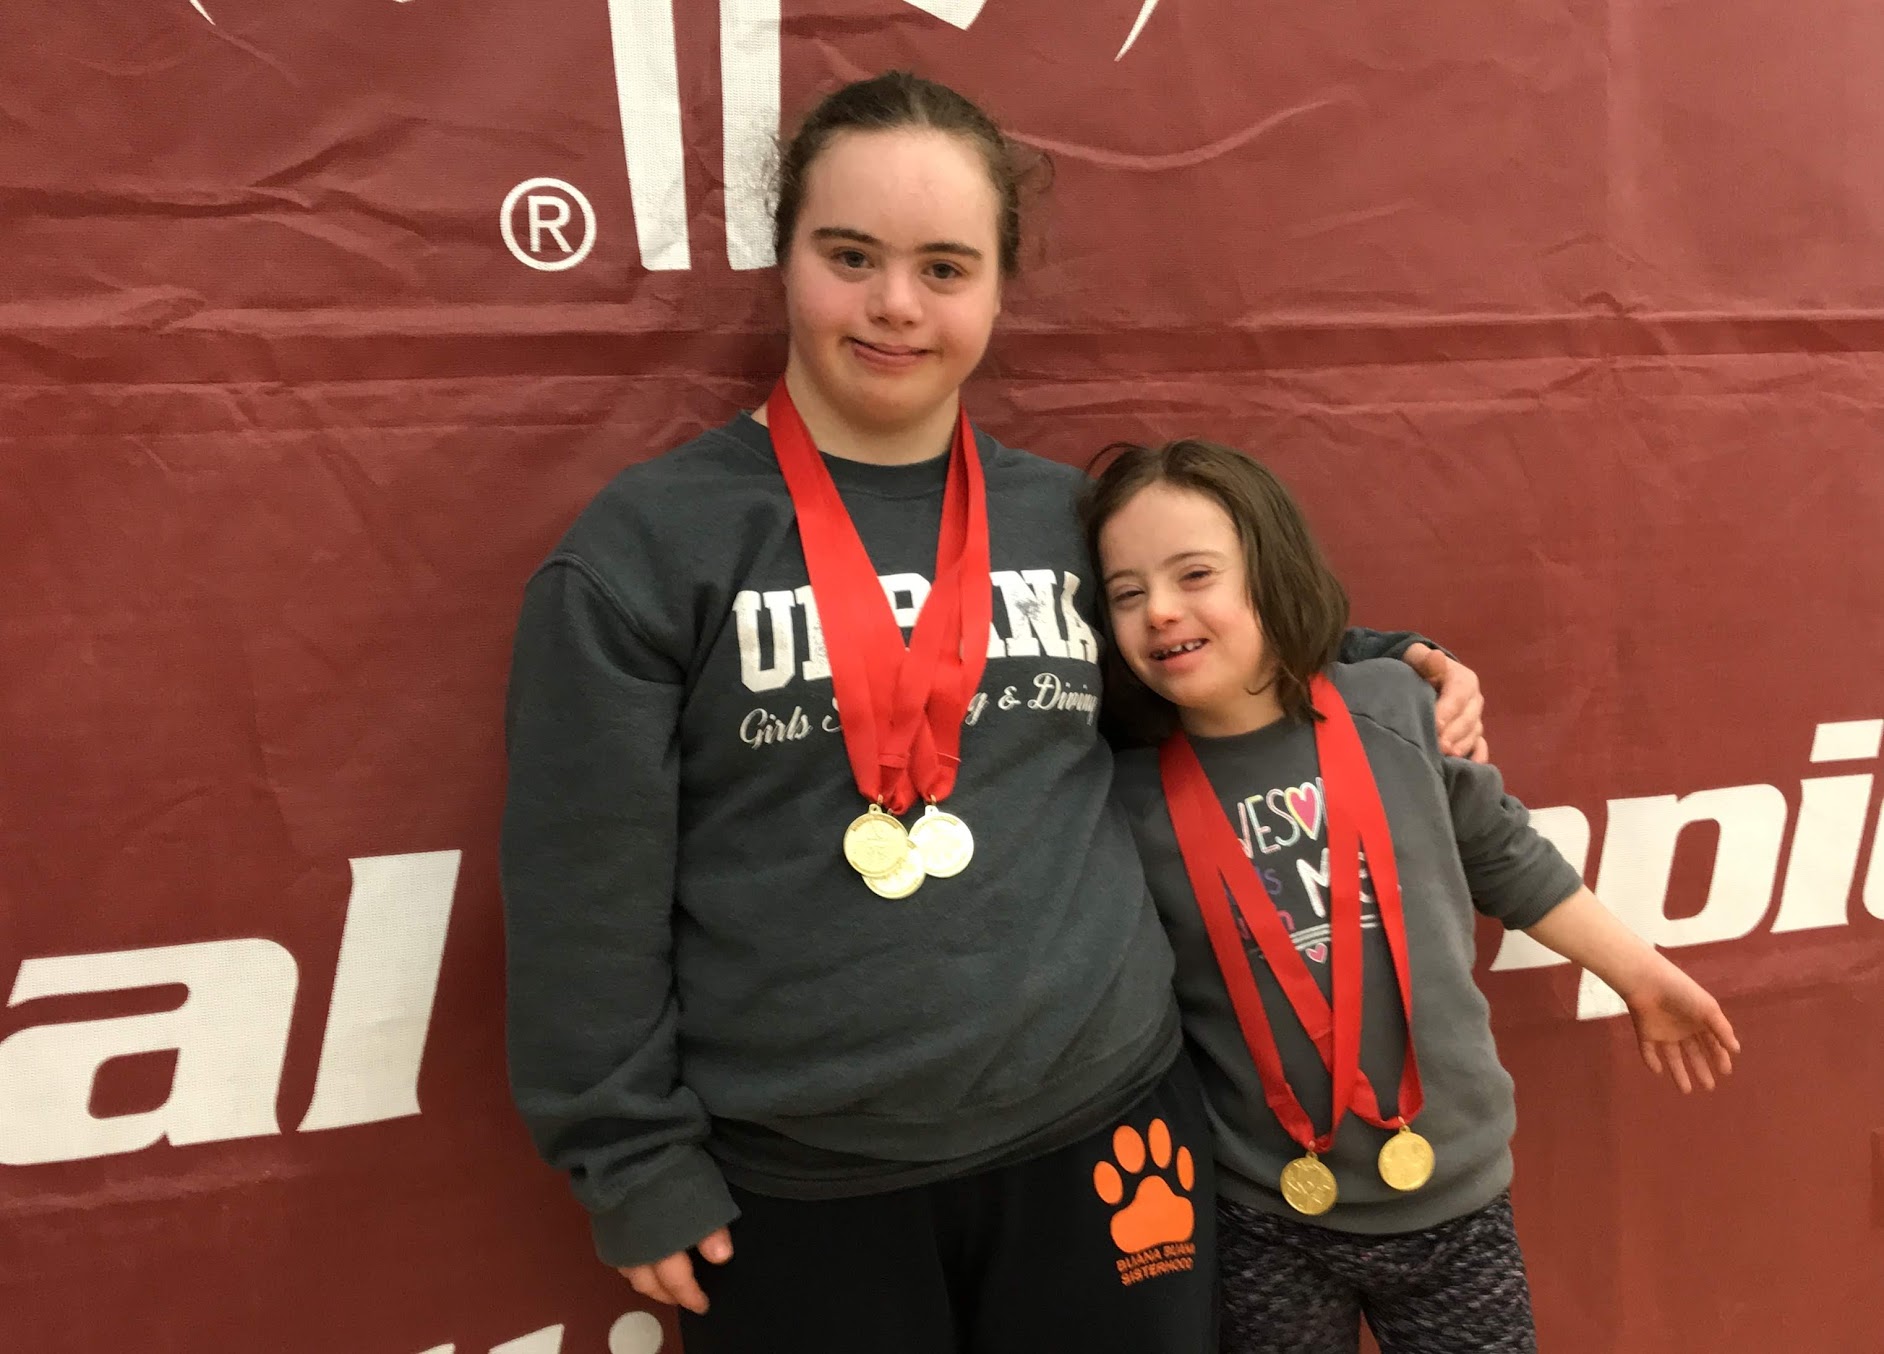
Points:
(1157, 1214)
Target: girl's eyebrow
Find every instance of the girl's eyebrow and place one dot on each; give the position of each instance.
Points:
(966, 251)
(1165, 564)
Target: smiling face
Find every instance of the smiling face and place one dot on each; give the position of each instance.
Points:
(893, 280)
(1178, 596)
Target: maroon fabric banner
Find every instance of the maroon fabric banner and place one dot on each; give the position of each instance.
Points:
(319, 322)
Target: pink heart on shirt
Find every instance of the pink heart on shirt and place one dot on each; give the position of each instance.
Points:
(1319, 953)
(1305, 807)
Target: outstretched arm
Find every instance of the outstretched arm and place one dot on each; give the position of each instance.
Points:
(1679, 1028)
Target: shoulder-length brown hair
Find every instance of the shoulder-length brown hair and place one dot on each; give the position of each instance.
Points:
(1301, 604)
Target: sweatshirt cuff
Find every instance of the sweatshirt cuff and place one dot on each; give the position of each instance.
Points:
(1359, 644)
(678, 1208)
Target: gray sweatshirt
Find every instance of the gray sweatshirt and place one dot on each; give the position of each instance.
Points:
(1459, 840)
(700, 987)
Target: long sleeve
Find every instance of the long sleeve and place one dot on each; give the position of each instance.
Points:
(1359, 644)
(1516, 876)
(588, 863)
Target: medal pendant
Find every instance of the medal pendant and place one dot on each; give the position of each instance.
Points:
(1308, 1185)
(876, 844)
(1406, 1160)
(943, 843)
(900, 882)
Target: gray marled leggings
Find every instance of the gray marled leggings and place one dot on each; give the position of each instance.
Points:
(1294, 1288)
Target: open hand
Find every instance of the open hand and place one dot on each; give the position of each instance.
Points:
(1680, 1028)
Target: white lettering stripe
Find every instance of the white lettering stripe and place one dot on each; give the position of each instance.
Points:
(647, 89)
(749, 100)
(1853, 740)
(961, 13)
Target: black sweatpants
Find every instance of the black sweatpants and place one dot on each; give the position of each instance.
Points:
(1103, 1247)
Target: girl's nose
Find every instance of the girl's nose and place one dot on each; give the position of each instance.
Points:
(896, 298)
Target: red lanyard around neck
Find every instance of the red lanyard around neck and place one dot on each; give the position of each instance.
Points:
(1215, 860)
(901, 708)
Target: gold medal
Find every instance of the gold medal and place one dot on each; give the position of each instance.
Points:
(1406, 1160)
(1308, 1185)
(900, 882)
(876, 844)
(943, 843)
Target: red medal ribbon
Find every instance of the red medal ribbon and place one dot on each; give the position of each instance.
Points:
(1215, 860)
(901, 708)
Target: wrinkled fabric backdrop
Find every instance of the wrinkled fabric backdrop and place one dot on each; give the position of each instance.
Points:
(319, 322)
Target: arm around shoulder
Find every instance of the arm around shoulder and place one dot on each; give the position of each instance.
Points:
(1459, 719)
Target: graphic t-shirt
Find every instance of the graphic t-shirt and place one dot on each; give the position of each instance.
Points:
(1269, 784)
